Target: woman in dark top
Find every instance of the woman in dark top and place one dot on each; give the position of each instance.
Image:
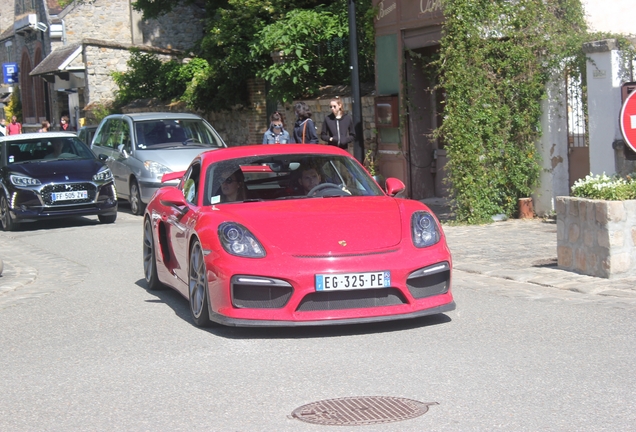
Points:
(304, 129)
(337, 129)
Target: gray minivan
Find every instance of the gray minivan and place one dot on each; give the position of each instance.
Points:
(142, 147)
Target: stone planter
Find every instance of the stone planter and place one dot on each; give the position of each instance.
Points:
(595, 237)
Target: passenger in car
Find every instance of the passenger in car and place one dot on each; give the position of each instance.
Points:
(309, 177)
(232, 186)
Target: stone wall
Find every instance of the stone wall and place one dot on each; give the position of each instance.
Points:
(113, 20)
(101, 60)
(178, 29)
(595, 237)
(100, 19)
(246, 125)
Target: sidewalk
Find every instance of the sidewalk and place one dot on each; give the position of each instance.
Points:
(522, 250)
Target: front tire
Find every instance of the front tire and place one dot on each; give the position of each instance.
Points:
(5, 216)
(150, 259)
(136, 205)
(198, 287)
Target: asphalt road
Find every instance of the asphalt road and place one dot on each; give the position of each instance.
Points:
(84, 347)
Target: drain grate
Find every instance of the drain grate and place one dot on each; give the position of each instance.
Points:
(359, 411)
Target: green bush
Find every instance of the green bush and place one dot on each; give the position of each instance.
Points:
(495, 60)
(148, 77)
(603, 187)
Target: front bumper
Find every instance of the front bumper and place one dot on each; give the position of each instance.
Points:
(28, 205)
(420, 286)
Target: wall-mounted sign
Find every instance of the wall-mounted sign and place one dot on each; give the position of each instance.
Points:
(386, 112)
(10, 73)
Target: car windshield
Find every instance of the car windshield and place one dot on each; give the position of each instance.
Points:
(278, 177)
(168, 132)
(46, 149)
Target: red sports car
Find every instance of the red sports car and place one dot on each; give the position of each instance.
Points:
(288, 235)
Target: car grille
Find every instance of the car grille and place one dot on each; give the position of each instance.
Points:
(335, 300)
(429, 281)
(69, 187)
(260, 293)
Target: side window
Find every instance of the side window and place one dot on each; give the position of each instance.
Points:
(114, 134)
(99, 139)
(191, 184)
(109, 134)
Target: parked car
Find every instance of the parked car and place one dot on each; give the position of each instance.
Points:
(86, 134)
(52, 175)
(286, 235)
(141, 148)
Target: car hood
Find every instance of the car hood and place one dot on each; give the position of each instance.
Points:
(322, 226)
(177, 159)
(59, 170)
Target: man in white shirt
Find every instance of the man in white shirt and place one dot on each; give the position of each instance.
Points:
(3, 127)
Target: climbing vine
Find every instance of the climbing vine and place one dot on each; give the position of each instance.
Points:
(495, 60)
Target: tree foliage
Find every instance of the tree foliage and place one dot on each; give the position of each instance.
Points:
(495, 61)
(240, 37)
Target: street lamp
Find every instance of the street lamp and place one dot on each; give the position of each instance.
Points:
(358, 144)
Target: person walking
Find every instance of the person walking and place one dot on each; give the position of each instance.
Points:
(3, 127)
(64, 124)
(45, 126)
(304, 129)
(276, 134)
(14, 128)
(338, 129)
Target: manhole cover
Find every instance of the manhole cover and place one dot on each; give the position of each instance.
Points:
(358, 411)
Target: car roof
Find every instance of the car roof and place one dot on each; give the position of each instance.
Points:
(36, 135)
(160, 116)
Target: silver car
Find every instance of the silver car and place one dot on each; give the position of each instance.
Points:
(142, 147)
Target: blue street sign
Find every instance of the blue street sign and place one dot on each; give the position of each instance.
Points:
(10, 73)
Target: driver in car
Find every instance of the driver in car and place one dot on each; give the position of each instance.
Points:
(309, 178)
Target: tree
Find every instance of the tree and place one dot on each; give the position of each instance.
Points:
(240, 36)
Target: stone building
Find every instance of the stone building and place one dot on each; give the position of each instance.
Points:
(65, 55)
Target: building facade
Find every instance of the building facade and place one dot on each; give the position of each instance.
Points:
(573, 144)
(66, 56)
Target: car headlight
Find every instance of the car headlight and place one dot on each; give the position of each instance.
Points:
(103, 174)
(424, 229)
(156, 169)
(20, 180)
(238, 240)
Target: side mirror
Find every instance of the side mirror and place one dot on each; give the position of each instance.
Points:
(394, 186)
(121, 148)
(173, 197)
(102, 157)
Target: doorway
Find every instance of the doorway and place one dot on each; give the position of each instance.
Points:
(426, 156)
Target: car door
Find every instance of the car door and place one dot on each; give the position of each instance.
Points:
(182, 221)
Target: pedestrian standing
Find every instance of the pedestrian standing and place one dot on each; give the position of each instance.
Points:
(338, 129)
(304, 129)
(3, 127)
(276, 134)
(14, 128)
(45, 126)
(64, 125)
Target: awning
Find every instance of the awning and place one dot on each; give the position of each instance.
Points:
(60, 62)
